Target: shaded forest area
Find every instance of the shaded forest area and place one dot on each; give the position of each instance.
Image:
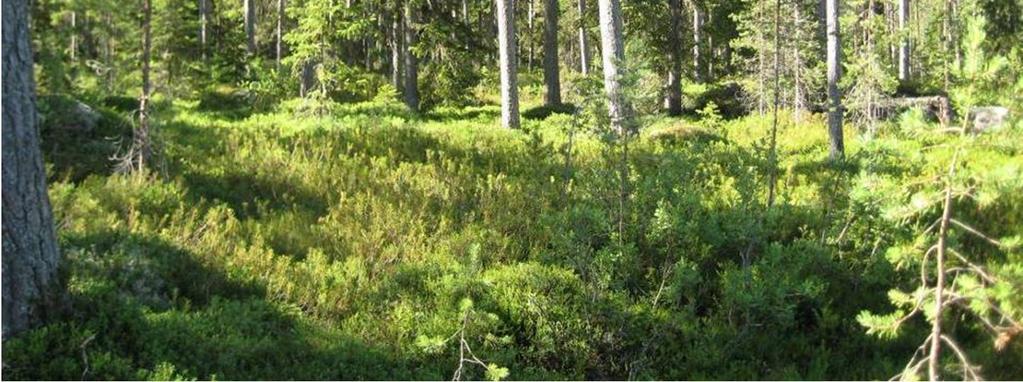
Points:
(522, 190)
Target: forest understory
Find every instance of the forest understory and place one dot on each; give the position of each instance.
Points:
(512, 190)
(361, 241)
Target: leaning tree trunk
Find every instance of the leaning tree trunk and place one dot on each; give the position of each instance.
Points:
(837, 149)
(584, 50)
(250, 26)
(613, 54)
(509, 74)
(551, 77)
(673, 98)
(30, 255)
(903, 41)
(411, 61)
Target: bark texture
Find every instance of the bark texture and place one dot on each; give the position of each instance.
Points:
(411, 61)
(673, 93)
(697, 26)
(613, 54)
(834, 60)
(250, 26)
(509, 70)
(397, 61)
(551, 75)
(30, 255)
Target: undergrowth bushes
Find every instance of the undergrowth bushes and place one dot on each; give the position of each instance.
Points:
(360, 242)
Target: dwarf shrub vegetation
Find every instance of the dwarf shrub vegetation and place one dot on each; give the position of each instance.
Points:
(317, 240)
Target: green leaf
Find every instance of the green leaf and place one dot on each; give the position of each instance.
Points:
(496, 373)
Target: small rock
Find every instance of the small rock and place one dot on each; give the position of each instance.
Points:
(985, 118)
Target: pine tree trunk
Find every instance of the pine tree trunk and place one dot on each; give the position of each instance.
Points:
(30, 254)
(509, 74)
(903, 41)
(307, 79)
(551, 75)
(584, 50)
(837, 149)
(141, 150)
(411, 61)
(673, 96)
(613, 54)
(250, 26)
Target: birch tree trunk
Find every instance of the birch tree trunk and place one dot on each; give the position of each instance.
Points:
(584, 51)
(30, 254)
(411, 62)
(613, 54)
(673, 96)
(834, 58)
(250, 26)
(551, 75)
(509, 74)
(397, 61)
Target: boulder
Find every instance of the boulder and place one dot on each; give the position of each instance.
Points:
(66, 113)
(988, 118)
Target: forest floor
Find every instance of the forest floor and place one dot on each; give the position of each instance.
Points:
(361, 242)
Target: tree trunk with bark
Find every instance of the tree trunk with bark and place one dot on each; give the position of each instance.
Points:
(397, 34)
(411, 61)
(551, 75)
(584, 50)
(903, 41)
(834, 57)
(531, 16)
(797, 67)
(250, 26)
(697, 26)
(613, 54)
(509, 73)
(280, 33)
(673, 96)
(204, 15)
(30, 253)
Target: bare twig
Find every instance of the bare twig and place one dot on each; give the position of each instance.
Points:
(974, 267)
(939, 287)
(977, 233)
(85, 356)
(969, 371)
